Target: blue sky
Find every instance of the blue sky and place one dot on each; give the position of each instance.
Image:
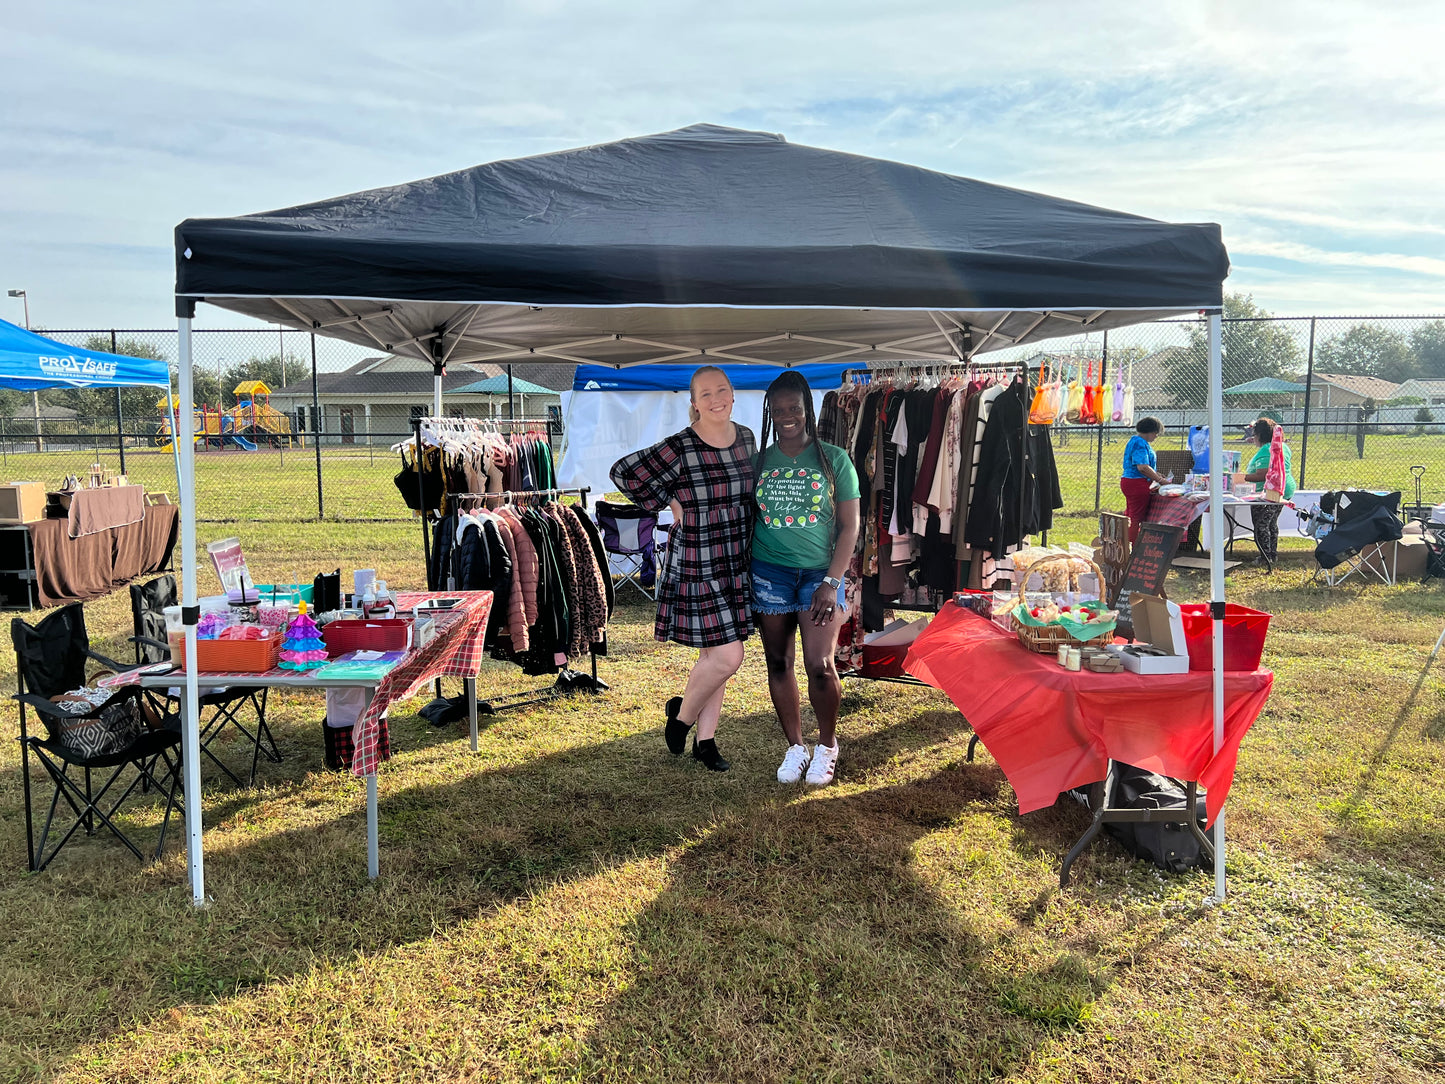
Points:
(1313, 133)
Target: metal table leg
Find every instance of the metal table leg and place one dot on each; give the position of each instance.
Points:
(373, 857)
(469, 690)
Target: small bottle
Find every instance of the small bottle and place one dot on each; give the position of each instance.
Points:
(368, 601)
(385, 608)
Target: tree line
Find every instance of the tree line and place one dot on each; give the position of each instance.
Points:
(1254, 346)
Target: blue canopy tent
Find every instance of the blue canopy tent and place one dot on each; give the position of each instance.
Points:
(31, 362)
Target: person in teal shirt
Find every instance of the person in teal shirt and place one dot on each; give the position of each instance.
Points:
(804, 531)
(1266, 514)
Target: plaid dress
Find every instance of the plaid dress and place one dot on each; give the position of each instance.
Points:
(704, 596)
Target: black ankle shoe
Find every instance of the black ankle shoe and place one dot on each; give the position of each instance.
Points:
(675, 732)
(706, 751)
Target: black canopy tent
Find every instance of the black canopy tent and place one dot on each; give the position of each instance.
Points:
(703, 243)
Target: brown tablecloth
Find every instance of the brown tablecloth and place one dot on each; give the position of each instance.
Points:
(96, 510)
(79, 569)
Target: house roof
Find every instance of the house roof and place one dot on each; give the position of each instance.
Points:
(497, 385)
(1265, 385)
(48, 413)
(367, 378)
(1370, 387)
(393, 375)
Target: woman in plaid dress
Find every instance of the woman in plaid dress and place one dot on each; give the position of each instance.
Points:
(705, 473)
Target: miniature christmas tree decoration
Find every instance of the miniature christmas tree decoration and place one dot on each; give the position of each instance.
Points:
(303, 648)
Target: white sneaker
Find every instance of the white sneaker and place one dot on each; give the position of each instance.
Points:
(794, 761)
(825, 762)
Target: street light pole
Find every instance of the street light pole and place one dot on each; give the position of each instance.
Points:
(34, 395)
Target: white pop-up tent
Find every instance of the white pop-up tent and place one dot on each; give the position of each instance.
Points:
(702, 245)
(611, 412)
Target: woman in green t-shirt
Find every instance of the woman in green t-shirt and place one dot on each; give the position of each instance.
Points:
(1266, 514)
(803, 537)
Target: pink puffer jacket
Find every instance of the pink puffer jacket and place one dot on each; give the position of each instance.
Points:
(516, 609)
(524, 564)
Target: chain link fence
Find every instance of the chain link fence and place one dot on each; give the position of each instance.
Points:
(1362, 400)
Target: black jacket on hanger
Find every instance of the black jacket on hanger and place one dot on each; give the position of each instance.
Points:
(994, 522)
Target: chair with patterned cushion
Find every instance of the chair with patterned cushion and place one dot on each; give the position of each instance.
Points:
(91, 743)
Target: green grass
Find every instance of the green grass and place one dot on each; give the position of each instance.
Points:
(571, 903)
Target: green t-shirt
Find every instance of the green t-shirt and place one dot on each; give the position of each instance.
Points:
(1261, 462)
(795, 525)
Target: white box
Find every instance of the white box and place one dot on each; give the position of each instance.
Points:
(1159, 623)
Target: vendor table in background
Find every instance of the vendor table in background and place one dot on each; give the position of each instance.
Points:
(95, 510)
(456, 651)
(41, 565)
(1052, 729)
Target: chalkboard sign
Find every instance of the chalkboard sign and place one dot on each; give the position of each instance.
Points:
(1112, 553)
(1153, 550)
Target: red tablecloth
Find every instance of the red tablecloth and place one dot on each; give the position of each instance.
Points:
(1051, 729)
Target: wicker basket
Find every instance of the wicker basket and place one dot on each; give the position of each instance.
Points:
(1047, 640)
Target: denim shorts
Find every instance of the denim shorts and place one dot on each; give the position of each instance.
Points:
(778, 590)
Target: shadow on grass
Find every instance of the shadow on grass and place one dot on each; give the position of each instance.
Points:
(286, 899)
(800, 942)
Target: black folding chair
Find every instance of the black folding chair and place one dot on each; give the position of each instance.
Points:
(50, 659)
(226, 705)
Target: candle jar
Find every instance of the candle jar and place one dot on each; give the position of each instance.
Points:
(1075, 659)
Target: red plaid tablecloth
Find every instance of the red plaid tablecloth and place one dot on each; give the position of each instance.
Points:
(456, 652)
(1174, 511)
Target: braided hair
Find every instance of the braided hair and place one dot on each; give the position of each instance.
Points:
(793, 381)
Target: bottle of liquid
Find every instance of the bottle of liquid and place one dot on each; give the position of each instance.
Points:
(385, 607)
(368, 601)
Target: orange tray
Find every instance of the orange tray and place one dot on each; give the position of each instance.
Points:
(236, 656)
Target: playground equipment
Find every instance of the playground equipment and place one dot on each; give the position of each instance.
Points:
(251, 422)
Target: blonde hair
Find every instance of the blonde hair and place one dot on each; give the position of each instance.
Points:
(693, 414)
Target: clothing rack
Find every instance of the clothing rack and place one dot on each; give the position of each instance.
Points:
(568, 681)
(964, 369)
(960, 369)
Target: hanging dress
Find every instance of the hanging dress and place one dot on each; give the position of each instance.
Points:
(704, 597)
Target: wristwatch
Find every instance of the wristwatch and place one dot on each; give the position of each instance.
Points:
(833, 582)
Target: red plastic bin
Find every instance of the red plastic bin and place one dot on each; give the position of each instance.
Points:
(352, 634)
(1244, 633)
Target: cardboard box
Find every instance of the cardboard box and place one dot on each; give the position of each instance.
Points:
(22, 502)
(1409, 557)
(1160, 624)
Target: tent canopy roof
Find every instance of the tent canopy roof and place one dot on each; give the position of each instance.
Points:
(1265, 385)
(703, 241)
(31, 362)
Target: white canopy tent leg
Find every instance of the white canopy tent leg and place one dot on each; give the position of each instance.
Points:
(1216, 562)
(190, 614)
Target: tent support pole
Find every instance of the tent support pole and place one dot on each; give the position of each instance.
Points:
(190, 615)
(119, 420)
(1304, 446)
(316, 435)
(1216, 563)
(511, 406)
(1103, 424)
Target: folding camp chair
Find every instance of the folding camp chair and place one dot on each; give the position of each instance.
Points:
(226, 705)
(629, 536)
(50, 659)
(1364, 522)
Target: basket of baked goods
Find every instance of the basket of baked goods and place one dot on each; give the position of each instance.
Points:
(1061, 614)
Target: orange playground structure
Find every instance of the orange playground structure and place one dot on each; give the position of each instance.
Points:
(253, 421)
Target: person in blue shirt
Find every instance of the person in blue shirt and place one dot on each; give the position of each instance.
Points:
(1139, 472)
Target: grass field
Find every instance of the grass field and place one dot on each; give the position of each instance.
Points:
(571, 903)
(357, 480)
